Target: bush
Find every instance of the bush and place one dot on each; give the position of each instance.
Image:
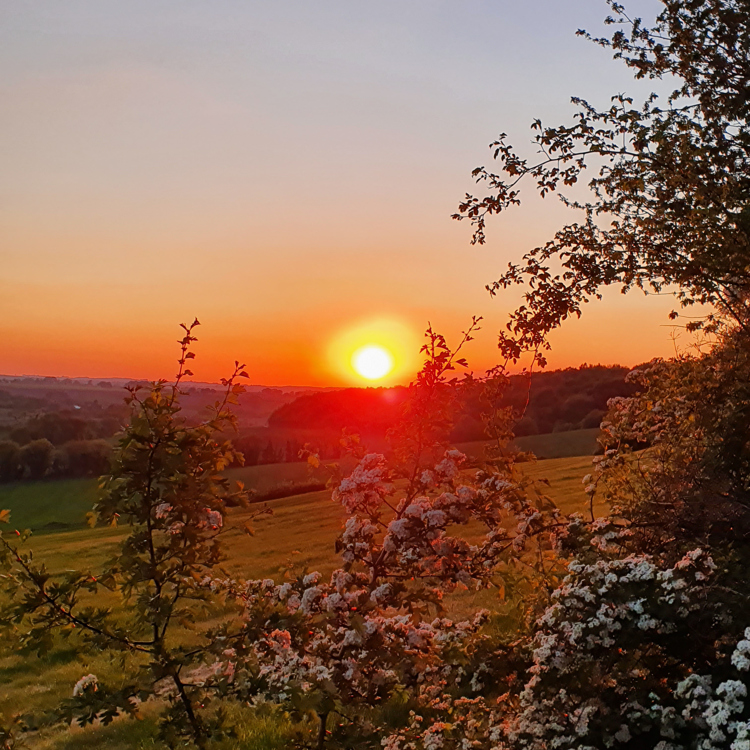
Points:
(35, 459)
(526, 426)
(82, 458)
(575, 406)
(10, 460)
(592, 419)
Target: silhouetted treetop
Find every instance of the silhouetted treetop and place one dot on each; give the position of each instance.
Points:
(554, 401)
(668, 202)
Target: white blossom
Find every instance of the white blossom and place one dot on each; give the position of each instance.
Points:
(86, 682)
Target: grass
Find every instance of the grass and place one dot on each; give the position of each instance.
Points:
(560, 444)
(61, 505)
(554, 445)
(302, 531)
(52, 506)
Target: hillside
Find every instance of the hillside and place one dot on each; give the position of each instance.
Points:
(558, 401)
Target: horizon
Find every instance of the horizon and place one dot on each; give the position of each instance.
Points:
(250, 386)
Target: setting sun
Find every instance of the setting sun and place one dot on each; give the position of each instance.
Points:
(372, 362)
(382, 349)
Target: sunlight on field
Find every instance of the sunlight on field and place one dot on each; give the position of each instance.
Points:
(300, 533)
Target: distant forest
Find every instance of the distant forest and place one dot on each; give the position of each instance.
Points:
(54, 428)
(50, 430)
(558, 401)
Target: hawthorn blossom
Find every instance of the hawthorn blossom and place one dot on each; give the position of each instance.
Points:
(162, 510)
(214, 519)
(366, 486)
(86, 682)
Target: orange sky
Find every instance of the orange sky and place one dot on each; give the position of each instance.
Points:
(283, 172)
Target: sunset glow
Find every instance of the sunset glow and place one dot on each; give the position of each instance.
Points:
(372, 362)
(379, 349)
(149, 153)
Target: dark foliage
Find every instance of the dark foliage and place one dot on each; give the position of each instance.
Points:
(10, 460)
(81, 458)
(35, 459)
(668, 202)
(551, 401)
(367, 410)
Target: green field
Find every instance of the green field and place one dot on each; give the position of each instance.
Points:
(62, 505)
(560, 444)
(52, 506)
(302, 530)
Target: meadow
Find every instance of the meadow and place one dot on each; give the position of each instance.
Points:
(62, 504)
(301, 532)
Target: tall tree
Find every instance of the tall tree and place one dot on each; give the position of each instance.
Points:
(668, 203)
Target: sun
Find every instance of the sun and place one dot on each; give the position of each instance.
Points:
(374, 352)
(372, 362)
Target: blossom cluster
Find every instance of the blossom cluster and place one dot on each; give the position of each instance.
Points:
(375, 627)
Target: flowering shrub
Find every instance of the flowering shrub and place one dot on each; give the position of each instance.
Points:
(609, 651)
(627, 655)
(628, 633)
(689, 488)
(644, 642)
(420, 525)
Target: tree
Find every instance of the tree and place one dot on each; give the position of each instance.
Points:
(10, 464)
(166, 484)
(57, 427)
(84, 458)
(35, 458)
(668, 205)
(269, 455)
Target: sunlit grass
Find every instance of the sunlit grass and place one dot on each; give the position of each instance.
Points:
(302, 530)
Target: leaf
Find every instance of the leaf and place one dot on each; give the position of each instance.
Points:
(4, 516)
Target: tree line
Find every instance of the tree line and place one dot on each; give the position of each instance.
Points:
(547, 401)
(57, 444)
(66, 443)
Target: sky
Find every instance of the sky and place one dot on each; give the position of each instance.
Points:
(286, 172)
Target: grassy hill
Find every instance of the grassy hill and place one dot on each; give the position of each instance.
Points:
(301, 531)
(560, 444)
(46, 507)
(62, 505)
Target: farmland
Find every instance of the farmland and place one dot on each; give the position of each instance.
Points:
(301, 531)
